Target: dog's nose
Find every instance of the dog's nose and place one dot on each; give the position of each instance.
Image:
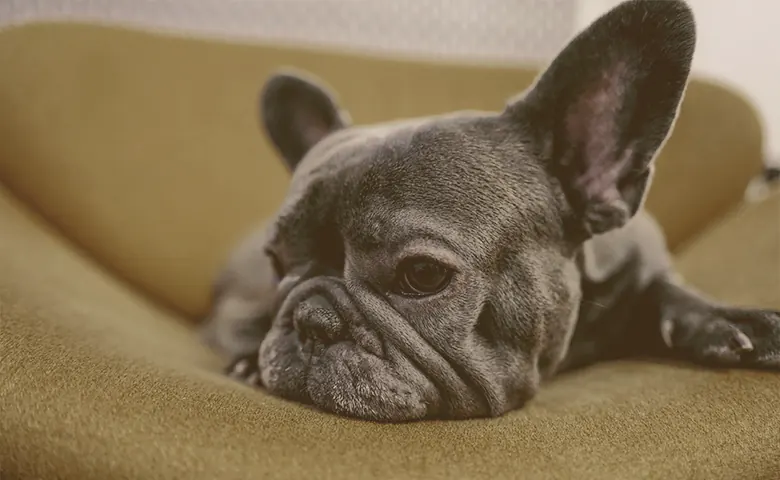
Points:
(316, 319)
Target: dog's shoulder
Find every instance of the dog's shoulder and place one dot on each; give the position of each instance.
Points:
(639, 246)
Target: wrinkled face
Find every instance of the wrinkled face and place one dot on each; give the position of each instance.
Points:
(406, 292)
(427, 268)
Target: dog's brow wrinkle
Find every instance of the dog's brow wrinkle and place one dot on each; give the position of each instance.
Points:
(408, 224)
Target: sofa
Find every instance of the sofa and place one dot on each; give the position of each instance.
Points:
(132, 162)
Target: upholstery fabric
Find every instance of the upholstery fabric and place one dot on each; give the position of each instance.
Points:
(87, 394)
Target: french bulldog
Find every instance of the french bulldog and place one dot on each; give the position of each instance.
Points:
(443, 267)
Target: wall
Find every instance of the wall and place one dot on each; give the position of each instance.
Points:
(489, 30)
(738, 43)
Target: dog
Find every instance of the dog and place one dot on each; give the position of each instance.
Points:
(444, 267)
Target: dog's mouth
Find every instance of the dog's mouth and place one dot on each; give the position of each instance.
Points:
(348, 351)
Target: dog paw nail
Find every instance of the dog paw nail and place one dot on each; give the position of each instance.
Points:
(741, 343)
(667, 327)
(240, 368)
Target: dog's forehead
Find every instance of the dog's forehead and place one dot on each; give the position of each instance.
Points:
(379, 144)
(459, 167)
(406, 159)
(452, 176)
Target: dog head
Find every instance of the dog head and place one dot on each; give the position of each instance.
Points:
(429, 268)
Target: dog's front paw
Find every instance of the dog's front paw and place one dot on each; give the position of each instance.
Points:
(246, 369)
(725, 337)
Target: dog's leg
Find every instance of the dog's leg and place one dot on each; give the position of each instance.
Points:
(676, 321)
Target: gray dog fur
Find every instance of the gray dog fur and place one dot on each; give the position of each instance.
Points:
(528, 224)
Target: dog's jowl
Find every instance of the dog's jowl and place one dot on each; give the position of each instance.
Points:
(443, 267)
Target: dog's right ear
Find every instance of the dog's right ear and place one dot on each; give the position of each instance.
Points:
(607, 102)
(297, 111)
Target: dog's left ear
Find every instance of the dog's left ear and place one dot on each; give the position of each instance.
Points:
(606, 104)
(297, 110)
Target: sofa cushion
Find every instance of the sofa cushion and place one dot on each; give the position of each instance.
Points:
(145, 150)
(97, 383)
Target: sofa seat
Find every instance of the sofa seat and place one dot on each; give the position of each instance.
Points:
(99, 383)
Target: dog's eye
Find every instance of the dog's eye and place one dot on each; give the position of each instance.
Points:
(422, 277)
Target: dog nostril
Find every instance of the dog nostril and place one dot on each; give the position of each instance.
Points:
(316, 319)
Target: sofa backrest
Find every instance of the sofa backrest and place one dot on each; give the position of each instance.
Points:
(145, 150)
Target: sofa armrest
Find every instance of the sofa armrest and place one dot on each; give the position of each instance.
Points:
(83, 360)
(714, 151)
(737, 260)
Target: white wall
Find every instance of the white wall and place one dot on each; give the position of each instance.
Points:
(489, 30)
(739, 43)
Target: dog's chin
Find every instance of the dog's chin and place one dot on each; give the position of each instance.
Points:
(346, 379)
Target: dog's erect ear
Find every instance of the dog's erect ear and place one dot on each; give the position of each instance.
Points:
(605, 105)
(297, 111)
